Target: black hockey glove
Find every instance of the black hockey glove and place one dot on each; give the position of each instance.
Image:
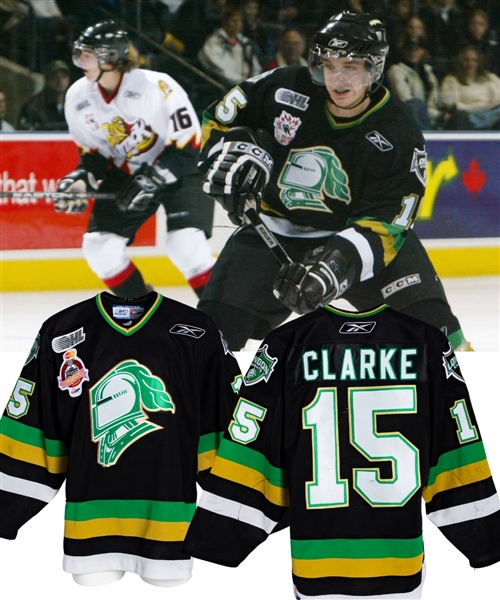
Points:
(79, 181)
(240, 172)
(142, 189)
(325, 276)
(287, 286)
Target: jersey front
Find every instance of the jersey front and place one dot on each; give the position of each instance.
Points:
(347, 421)
(327, 172)
(147, 114)
(126, 401)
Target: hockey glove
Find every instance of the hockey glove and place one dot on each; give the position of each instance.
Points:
(325, 276)
(242, 170)
(142, 189)
(78, 181)
(287, 286)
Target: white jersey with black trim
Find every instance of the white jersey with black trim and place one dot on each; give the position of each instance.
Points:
(148, 112)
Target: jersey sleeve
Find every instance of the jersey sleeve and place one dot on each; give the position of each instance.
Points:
(460, 496)
(222, 378)
(241, 105)
(33, 452)
(246, 494)
(183, 137)
(387, 204)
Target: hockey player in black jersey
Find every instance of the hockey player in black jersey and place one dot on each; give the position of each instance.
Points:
(337, 168)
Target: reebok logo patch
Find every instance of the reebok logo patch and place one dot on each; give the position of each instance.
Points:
(379, 140)
(355, 327)
(189, 330)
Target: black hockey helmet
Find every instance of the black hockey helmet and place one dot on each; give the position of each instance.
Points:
(349, 35)
(107, 40)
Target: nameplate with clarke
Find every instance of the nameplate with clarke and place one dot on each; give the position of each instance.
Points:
(359, 362)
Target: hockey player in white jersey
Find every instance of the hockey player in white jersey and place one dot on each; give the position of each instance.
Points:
(139, 136)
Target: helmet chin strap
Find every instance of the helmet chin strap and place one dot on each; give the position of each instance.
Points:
(101, 73)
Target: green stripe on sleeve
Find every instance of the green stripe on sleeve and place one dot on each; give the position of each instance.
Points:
(466, 455)
(32, 436)
(209, 441)
(248, 457)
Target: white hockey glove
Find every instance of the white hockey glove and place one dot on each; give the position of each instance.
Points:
(78, 181)
(144, 188)
(324, 276)
(242, 170)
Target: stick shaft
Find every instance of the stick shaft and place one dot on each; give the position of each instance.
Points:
(267, 235)
(55, 195)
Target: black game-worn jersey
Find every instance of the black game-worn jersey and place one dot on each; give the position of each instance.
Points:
(348, 420)
(362, 177)
(125, 400)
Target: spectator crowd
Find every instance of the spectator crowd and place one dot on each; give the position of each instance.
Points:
(444, 59)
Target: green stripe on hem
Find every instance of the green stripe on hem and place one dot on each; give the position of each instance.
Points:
(357, 549)
(151, 510)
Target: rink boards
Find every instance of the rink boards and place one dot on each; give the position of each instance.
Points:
(458, 221)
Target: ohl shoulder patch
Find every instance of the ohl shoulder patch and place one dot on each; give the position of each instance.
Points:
(261, 368)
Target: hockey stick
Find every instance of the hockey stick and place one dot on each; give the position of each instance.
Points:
(57, 195)
(267, 235)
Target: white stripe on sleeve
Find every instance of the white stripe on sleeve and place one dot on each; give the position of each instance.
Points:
(465, 512)
(23, 487)
(236, 510)
(364, 251)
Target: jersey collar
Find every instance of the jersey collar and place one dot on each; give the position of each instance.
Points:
(379, 99)
(104, 299)
(356, 315)
(113, 94)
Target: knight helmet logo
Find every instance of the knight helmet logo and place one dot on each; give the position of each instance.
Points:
(118, 405)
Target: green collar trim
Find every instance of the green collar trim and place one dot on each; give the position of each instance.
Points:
(357, 120)
(128, 330)
(356, 315)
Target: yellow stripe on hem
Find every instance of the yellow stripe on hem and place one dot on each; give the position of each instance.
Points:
(357, 567)
(141, 528)
(251, 478)
(206, 460)
(33, 455)
(478, 471)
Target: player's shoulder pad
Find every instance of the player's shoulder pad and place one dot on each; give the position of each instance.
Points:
(156, 79)
(402, 121)
(77, 90)
(281, 76)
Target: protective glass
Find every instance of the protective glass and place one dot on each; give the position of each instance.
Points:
(347, 73)
(83, 56)
(336, 68)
